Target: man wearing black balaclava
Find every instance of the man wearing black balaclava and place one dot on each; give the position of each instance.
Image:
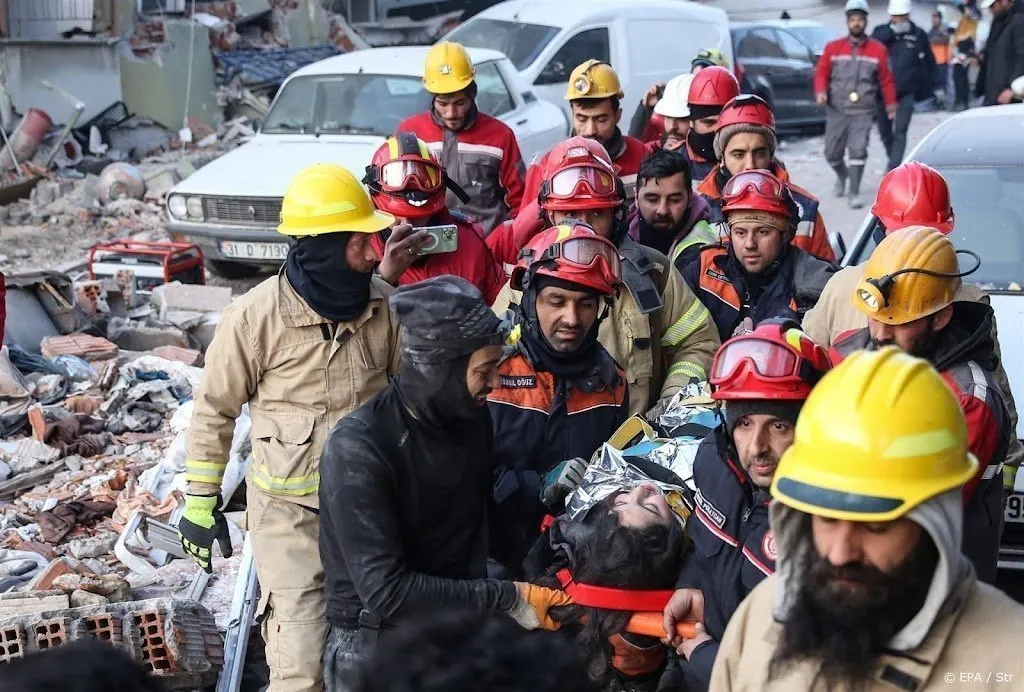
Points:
(561, 395)
(302, 349)
(405, 481)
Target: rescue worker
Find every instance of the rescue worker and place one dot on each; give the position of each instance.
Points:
(708, 57)
(745, 140)
(871, 591)
(907, 291)
(405, 483)
(912, 194)
(711, 88)
(561, 396)
(594, 96)
(658, 332)
(763, 379)
(302, 349)
(479, 152)
(668, 216)
(675, 113)
(406, 181)
(851, 76)
(757, 273)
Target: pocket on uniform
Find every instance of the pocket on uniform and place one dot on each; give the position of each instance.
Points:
(283, 451)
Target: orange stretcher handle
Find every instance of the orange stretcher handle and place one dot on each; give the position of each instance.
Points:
(650, 625)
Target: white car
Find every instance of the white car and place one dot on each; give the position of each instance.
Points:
(337, 110)
(979, 153)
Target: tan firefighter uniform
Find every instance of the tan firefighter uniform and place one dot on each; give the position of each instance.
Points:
(660, 346)
(299, 373)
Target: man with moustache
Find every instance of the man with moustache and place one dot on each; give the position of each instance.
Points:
(561, 395)
(763, 379)
(907, 291)
(871, 591)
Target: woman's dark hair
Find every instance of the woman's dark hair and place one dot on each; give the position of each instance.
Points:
(662, 163)
(604, 553)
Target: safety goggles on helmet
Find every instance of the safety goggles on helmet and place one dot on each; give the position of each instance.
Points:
(401, 175)
(753, 181)
(576, 180)
(586, 253)
(772, 362)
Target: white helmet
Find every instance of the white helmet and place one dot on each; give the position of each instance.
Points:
(673, 102)
(899, 7)
(857, 6)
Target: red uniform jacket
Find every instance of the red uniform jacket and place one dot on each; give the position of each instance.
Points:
(484, 159)
(841, 71)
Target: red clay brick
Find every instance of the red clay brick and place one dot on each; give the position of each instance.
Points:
(81, 345)
(155, 655)
(187, 356)
(106, 627)
(12, 643)
(49, 634)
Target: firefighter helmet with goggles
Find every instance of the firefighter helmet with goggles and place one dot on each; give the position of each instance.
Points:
(709, 57)
(713, 86)
(594, 79)
(913, 273)
(879, 435)
(746, 109)
(448, 69)
(580, 175)
(570, 252)
(405, 179)
(757, 190)
(775, 361)
(913, 194)
(325, 198)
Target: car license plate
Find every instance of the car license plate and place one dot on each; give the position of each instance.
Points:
(1015, 508)
(254, 251)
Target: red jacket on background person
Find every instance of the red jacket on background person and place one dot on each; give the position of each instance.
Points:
(483, 158)
(840, 72)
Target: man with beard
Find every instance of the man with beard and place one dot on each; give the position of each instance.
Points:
(668, 215)
(302, 349)
(406, 181)
(594, 94)
(850, 77)
(710, 90)
(561, 394)
(757, 274)
(479, 152)
(871, 591)
(745, 141)
(657, 331)
(675, 113)
(763, 378)
(405, 481)
(907, 290)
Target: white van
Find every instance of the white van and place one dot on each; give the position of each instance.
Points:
(646, 41)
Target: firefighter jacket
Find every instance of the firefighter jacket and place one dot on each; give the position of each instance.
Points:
(540, 420)
(848, 68)
(472, 260)
(627, 154)
(298, 372)
(788, 289)
(834, 315)
(734, 548)
(483, 159)
(964, 355)
(658, 332)
(811, 235)
(973, 640)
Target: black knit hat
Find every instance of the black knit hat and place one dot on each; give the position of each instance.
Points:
(783, 410)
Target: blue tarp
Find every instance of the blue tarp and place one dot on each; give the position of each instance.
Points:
(267, 67)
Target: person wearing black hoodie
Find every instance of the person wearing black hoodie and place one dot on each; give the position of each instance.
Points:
(1003, 58)
(404, 484)
(916, 311)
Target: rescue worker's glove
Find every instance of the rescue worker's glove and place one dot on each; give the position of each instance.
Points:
(1009, 480)
(561, 481)
(201, 524)
(533, 605)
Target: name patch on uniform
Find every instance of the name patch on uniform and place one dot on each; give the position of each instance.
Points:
(712, 512)
(716, 275)
(518, 381)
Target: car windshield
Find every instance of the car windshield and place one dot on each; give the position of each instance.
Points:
(522, 43)
(814, 36)
(360, 104)
(989, 206)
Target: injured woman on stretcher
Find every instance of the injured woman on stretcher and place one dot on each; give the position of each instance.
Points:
(618, 549)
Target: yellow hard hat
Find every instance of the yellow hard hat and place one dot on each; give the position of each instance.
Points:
(593, 79)
(448, 68)
(880, 434)
(897, 285)
(325, 198)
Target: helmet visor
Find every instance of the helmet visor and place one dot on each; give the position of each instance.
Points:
(769, 360)
(583, 179)
(755, 181)
(397, 176)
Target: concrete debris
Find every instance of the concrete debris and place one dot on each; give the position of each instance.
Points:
(15, 604)
(82, 599)
(92, 547)
(112, 587)
(137, 336)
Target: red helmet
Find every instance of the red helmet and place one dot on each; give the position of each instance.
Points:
(775, 361)
(713, 86)
(756, 190)
(913, 194)
(570, 252)
(405, 179)
(580, 175)
(746, 109)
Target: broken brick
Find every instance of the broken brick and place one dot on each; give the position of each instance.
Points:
(154, 642)
(59, 567)
(89, 348)
(187, 356)
(49, 634)
(12, 643)
(105, 627)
